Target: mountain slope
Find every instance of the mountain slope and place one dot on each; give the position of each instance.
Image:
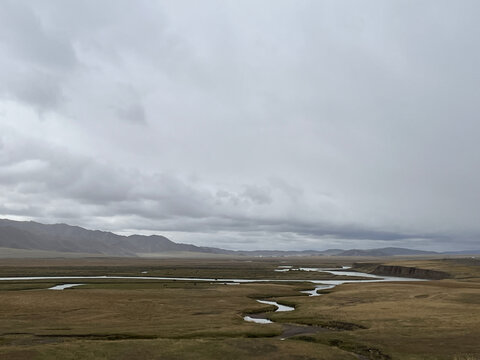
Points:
(29, 235)
(66, 238)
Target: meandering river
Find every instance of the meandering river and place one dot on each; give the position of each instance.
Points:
(321, 285)
(260, 319)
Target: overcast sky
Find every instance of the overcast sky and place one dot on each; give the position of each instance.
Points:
(245, 124)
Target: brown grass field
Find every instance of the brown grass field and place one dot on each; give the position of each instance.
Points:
(150, 319)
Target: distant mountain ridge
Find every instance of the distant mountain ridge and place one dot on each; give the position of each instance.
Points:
(66, 238)
(389, 251)
(30, 235)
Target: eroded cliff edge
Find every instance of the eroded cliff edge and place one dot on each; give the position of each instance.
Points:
(401, 271)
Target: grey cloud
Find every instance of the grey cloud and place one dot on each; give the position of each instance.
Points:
(316, 123)
(129, 106)
(39, 171)
(40, 89)
(257, 194)
(32, 40)
(134, 113)
(36, 58)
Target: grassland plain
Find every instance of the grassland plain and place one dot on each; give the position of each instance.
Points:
(149, 319)
(202, 268)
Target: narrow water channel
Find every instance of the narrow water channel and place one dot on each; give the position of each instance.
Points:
(260, 319)
(321, 285)
(63, 286)
(256, 318)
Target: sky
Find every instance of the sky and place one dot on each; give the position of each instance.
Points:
(264, 124)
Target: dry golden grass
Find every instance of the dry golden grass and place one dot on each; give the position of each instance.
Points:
(185, 349)
(164, 320)
(422, 320)
(124, 319)
(201, 268)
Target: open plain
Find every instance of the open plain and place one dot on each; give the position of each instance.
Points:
(107, 318)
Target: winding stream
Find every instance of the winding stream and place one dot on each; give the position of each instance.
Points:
(256, 318)
(259, 319)
(320, 285)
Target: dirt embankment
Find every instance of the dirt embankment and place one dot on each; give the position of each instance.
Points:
(403, 271)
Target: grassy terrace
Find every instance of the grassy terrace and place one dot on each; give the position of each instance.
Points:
(126, 319)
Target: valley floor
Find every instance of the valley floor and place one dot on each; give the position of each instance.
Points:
(150, 319)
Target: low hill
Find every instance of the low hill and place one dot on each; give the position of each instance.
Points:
(31, 235)
(22, 236)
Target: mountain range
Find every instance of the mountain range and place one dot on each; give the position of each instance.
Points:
(63, 238)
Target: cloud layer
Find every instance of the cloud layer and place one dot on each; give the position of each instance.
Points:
(245, 124)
